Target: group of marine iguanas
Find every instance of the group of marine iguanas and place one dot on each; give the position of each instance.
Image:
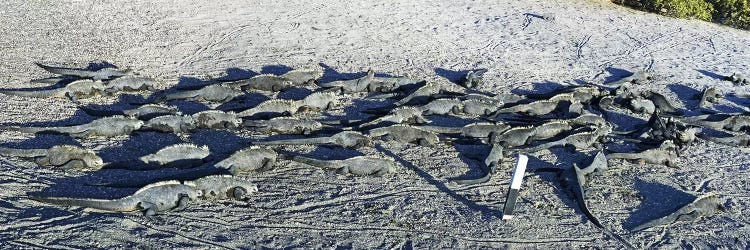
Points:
(575, 117)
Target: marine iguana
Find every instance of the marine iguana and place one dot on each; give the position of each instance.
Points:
(513, 137)
(638, 77)
(73, 91)
(661, 103)
(346, 139)
(702, 206)
(151, 199)
(130, 83)
(359, 165)
(443, 106)
(481, 130)
(318, 101)
(285, 125)
(575, 178)
(550, 129)
(665, 154)
(218, 93)
(248, 159)
(479, 107)
(738, 79)
(354, 85)
(63, 156)
(731, 122)
(492, 161)
(410, 115)
(580, 94)
(536, 108)
(223, 187)
(303, 76)
(171, 124)
(271, 108)
(391, 84)
(143, 112)
(709, 95)
(216, 119)
(184, 155)
(742, 140)
(105, 127)
(405, 134)
(473, 78)
(100, 74)
(580, 141)
(264, 82)
(640, 105)
(659, 129)
(430, 89)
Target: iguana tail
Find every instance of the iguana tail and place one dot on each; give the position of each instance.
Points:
(627, 156)
(34, 130)
(101, 113)
(442, 130)
(118, 205)
(301, 141)
(544, 146)
(64, 71)
(33, 93)
(177, 96)
(311, 161)
(23, 152)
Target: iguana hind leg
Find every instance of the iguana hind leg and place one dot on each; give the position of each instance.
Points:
(182, 203)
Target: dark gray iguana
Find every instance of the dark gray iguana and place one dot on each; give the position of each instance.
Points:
(405, 134)
(354, 85)
(580, 141)
(304, 75)
(106, 127)
(346, 139)
(64, 156)
(216, 119)
(479, 130)
(182, 155)
(151, 199)
(742, 140)
(359, 165)
(665, 154)
(639, 77)
(514, 137)
(244, 161)
(491, 162)
(223, 187)
(285, 125)
(264, 82)
(577, 182)
(702, 206)
(217, 93)
(171, 124)
(248, 159)
(100, 74)
(536, 108)
(738, 79)
(143, 112)
(708, 96)
(73, 91)
(129, 84)
(431, 89)
(410, 115)
(731, 122)
(271, 108)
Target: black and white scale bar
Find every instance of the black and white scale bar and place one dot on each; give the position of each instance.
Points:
(515, 186)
